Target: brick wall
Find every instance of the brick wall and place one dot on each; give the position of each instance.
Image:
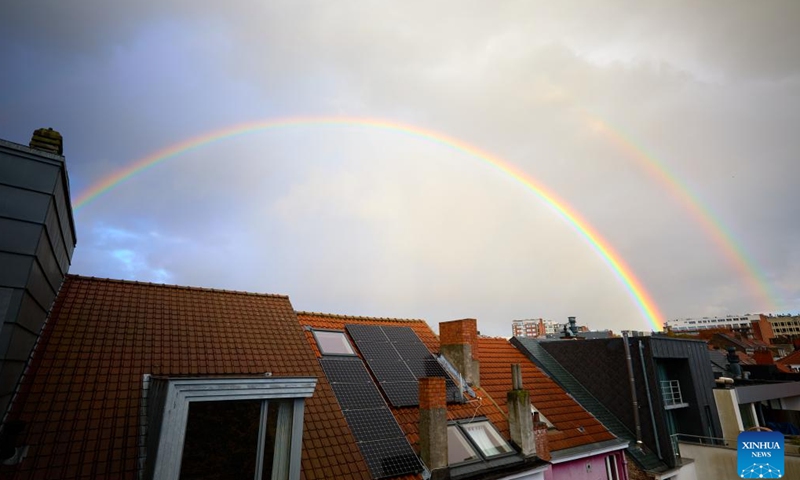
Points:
(460, 332)
(432, 393)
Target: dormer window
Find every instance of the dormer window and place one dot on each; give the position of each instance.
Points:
(333, 343)
(223, 427)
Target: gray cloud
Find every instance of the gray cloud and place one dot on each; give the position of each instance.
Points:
(585, 98)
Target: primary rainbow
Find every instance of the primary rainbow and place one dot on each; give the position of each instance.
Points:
(723, 239)
(621, 270)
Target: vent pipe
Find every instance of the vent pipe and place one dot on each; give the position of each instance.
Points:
(629, 363)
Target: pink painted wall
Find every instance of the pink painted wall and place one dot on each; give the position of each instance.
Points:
(576, 469)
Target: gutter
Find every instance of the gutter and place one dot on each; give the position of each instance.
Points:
(576, 453)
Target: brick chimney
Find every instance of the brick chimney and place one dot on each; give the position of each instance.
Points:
(763, 356)
(48, 140)
(458, 342)
(540, 438)
(433, 422)
(520, 423)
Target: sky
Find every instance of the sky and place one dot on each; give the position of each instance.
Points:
(669, 127)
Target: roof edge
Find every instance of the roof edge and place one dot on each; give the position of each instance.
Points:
(71, 276)
(588, 450)
(358, 317)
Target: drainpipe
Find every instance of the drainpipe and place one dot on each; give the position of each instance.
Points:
(633, 390)
(649, 401)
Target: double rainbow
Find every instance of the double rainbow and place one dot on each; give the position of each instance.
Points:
(619, 267)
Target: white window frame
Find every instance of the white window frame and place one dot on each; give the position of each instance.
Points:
(166, 408)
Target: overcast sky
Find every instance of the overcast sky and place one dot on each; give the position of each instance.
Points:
(365, 221)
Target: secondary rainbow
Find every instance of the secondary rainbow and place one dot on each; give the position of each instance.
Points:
(622, 271)
(723, 239)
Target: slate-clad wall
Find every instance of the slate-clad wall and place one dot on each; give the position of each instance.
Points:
(37, 238)
(601, 367)
(699, 392)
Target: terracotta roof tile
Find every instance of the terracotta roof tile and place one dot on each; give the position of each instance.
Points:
(791, 359)
(497, 355)
(82, 393)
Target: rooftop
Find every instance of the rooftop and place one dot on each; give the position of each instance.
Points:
(82, 394)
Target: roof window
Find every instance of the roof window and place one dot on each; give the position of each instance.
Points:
(459, 449)
(333, 343)
(481, 437)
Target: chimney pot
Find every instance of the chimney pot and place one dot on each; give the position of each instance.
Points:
(516, 377)
(48, 140)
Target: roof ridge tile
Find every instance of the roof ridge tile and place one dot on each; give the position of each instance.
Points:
(71, 276)
(359, 317)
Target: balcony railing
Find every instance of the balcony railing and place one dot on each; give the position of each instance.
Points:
(671, 392)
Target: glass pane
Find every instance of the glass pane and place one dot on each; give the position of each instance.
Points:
(486, 438)
(458, 449)
(221, 440)
(333, 343)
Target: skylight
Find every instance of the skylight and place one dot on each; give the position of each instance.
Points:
(333, 343)
(486, 438)
(458, 448)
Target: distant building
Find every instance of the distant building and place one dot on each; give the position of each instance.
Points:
(784, 325)
(534, 327)
(695, 324)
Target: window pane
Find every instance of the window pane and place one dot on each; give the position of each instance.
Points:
(458, 449)
(333, 343)
(221, 440)
(486, 438)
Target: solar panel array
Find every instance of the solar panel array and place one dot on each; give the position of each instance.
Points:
(381, 441)
(398, 359)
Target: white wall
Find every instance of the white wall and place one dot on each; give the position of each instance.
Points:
(791, 403)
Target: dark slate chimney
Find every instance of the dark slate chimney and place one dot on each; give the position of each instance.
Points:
(573, 326)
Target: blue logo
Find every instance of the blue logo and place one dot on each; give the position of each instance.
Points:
(760, 455)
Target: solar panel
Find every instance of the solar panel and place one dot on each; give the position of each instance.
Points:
(402, 394)
(389, 458)
(379, 438)
(398, 359)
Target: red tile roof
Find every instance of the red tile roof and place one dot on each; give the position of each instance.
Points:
(81, 396)
(497, 355)
(408, 417)
(791, 359)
